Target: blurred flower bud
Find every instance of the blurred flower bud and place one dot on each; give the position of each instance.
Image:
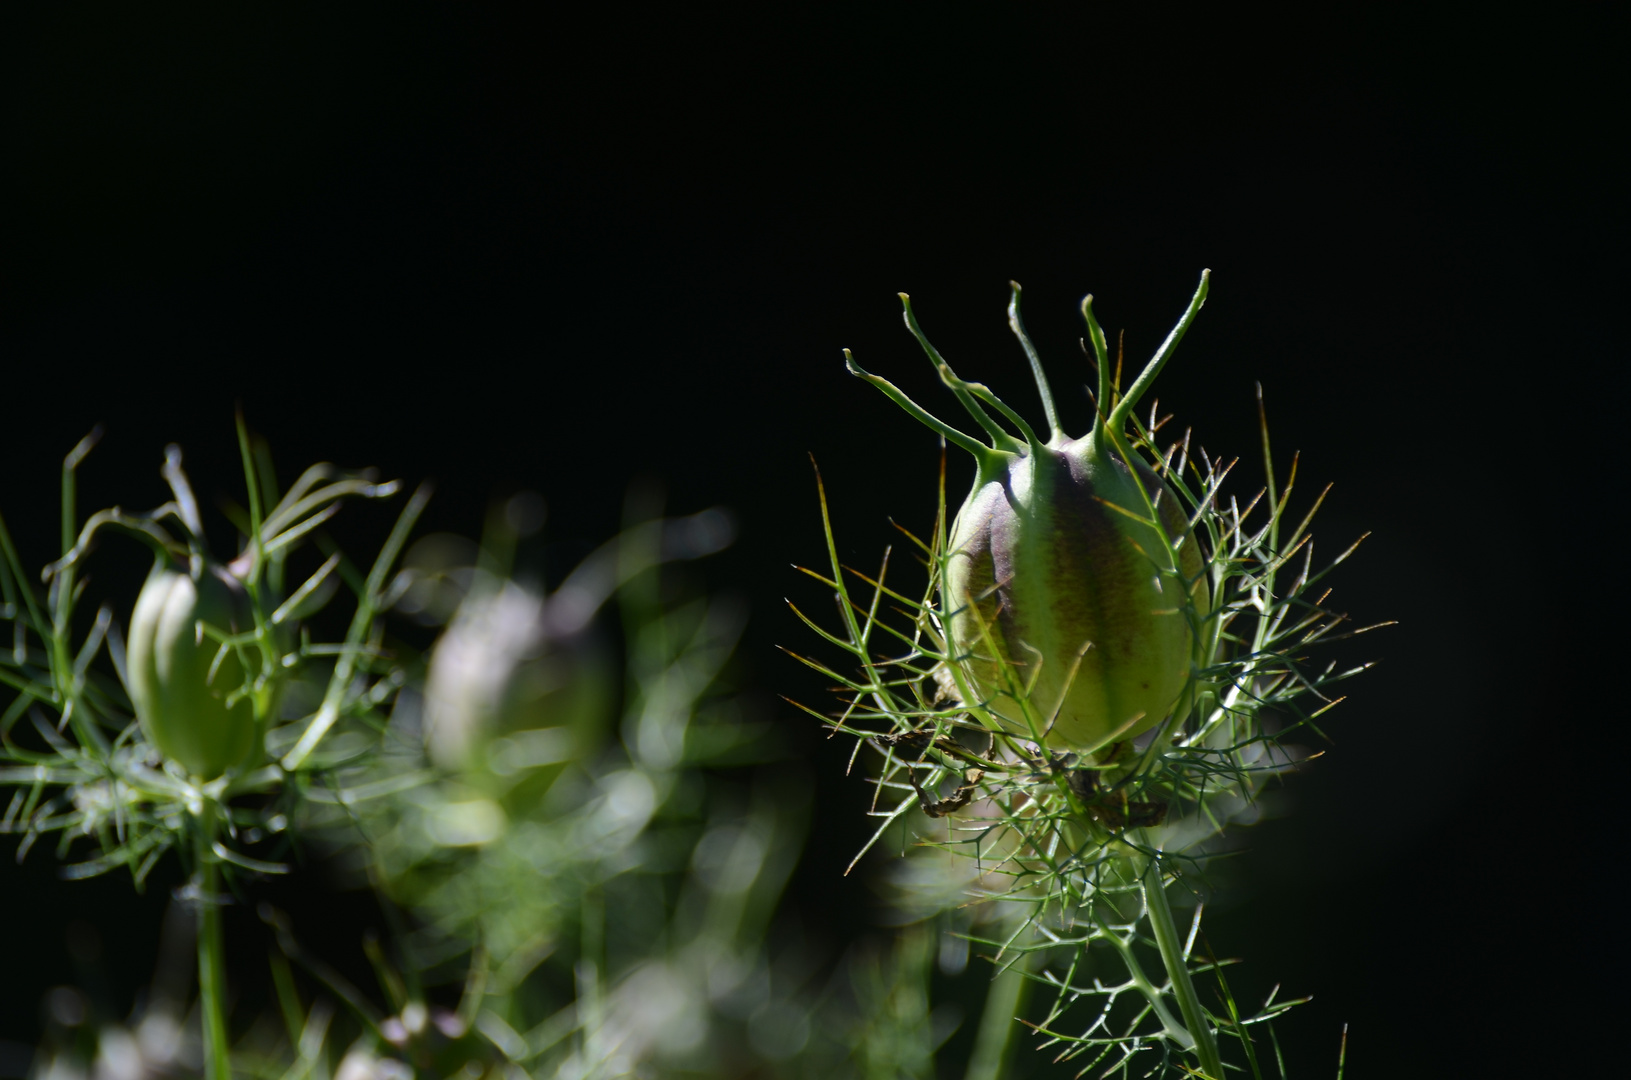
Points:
(504, 697)
(181, 678)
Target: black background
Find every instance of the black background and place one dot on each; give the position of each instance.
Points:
(511, 251)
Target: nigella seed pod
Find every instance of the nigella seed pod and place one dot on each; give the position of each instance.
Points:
(1071, 588)
(181, 680)
(515, 691)
(1061, 593)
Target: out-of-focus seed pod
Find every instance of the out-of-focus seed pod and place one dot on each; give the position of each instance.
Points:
(181, 679)
(1071, 586)
(519, 684)
(508, 702)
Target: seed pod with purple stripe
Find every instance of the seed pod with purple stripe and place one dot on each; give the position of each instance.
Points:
(1072, 585)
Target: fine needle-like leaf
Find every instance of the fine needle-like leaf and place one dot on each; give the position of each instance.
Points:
(329, 711)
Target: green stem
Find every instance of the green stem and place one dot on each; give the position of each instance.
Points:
(211, 959)
(1177, 965)
(1003, 1003)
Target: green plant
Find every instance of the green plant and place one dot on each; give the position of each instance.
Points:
(575, 838)
(586, 870)
(1024, 673)
(197, 737)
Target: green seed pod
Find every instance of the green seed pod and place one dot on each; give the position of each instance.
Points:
(1071, 585)
(180, 678)
(1061, 592)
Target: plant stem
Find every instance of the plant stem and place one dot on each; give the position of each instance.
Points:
(1177, 964)
(211, 961)
(1004, 1001)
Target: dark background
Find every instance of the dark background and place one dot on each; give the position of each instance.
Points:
(507, 252)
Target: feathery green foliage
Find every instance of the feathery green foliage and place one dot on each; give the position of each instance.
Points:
(84, 769)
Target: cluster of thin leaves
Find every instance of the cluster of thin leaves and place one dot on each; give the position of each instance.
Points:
(81, 766)
(619, 921)
(544, 872)
(606, 910)
(1068, 845)
(503, 890)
